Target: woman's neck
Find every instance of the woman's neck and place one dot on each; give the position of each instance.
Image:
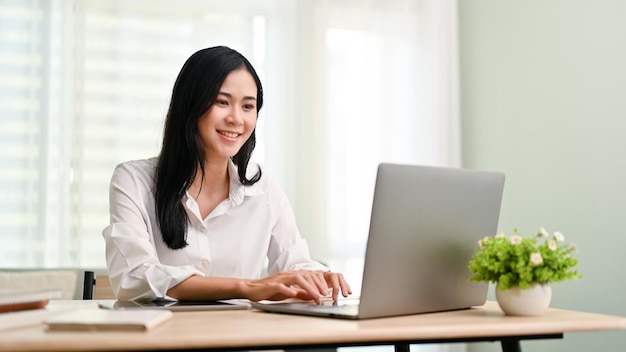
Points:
(213, 189)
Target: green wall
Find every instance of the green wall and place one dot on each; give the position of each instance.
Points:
(543, 87)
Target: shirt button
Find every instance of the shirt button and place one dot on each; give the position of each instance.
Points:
(205, 263)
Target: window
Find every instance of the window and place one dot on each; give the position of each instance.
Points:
(85, 85)
(385, 88)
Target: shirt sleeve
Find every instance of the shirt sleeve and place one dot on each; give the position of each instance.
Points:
(287, 250)
(133, 264)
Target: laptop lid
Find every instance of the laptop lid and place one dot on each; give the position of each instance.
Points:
(424, 228)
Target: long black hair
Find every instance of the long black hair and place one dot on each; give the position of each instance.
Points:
(182, 152)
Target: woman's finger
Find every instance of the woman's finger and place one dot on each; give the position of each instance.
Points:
(320, 282)
(303, 281)
(333, 280)
(338, 283)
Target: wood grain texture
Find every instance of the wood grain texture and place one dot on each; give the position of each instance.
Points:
(253, 329)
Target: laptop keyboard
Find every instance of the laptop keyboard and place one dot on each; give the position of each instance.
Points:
(340, 302)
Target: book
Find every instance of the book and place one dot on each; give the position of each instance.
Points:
(15, 300)
(107, 320)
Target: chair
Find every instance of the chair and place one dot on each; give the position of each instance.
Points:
(67, 280)
(97, 286)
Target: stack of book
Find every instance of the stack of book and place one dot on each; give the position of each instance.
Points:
(15, 300)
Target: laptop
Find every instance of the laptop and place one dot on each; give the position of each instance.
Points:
(424, 228)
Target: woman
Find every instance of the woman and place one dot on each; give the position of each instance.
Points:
(200, 222)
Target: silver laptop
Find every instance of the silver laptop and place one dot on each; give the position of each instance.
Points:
(424, 228)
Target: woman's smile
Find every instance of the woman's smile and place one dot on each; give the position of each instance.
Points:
(228, 134)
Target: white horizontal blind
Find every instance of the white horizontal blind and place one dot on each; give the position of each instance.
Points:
(24, 87)
(86, 85)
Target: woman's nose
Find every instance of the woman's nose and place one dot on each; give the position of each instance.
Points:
(234, 116)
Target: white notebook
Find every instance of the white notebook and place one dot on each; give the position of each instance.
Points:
(107, 320)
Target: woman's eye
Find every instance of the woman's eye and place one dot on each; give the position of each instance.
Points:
(248, 107)
(221, 102)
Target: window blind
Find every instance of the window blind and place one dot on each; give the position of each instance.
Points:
(86, 85)
(24, 82)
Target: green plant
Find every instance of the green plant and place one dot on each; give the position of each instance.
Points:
(522, 261)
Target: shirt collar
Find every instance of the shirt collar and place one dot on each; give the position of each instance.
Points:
(237, 190)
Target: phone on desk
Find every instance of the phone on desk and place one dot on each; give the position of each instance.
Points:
(174, 305)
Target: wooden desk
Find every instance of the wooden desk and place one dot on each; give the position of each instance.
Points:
(251, 329)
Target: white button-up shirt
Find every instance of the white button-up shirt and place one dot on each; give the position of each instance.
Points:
(254, 226)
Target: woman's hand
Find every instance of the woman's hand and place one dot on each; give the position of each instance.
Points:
(337, 283)
(303, 284)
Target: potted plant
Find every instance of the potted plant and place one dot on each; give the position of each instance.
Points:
(523, 268)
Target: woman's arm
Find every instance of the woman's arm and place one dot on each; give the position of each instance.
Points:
(134, 267)
(303, 284)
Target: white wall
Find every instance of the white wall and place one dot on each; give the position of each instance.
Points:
(544, 100)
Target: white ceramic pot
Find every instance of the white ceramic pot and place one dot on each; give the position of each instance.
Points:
(525, 302)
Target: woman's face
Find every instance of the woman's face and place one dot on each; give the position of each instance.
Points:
(229, 122)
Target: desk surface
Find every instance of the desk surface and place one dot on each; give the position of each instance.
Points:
(253, 329)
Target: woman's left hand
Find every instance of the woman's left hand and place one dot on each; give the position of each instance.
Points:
(303, 284)
(336, 283)
(327, 282)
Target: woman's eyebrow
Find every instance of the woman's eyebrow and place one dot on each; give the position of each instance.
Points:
(228, 95)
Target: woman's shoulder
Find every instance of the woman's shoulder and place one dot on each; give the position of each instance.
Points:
(268, 182)
(140, 168)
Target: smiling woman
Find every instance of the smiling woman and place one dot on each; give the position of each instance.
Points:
(192, 224)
